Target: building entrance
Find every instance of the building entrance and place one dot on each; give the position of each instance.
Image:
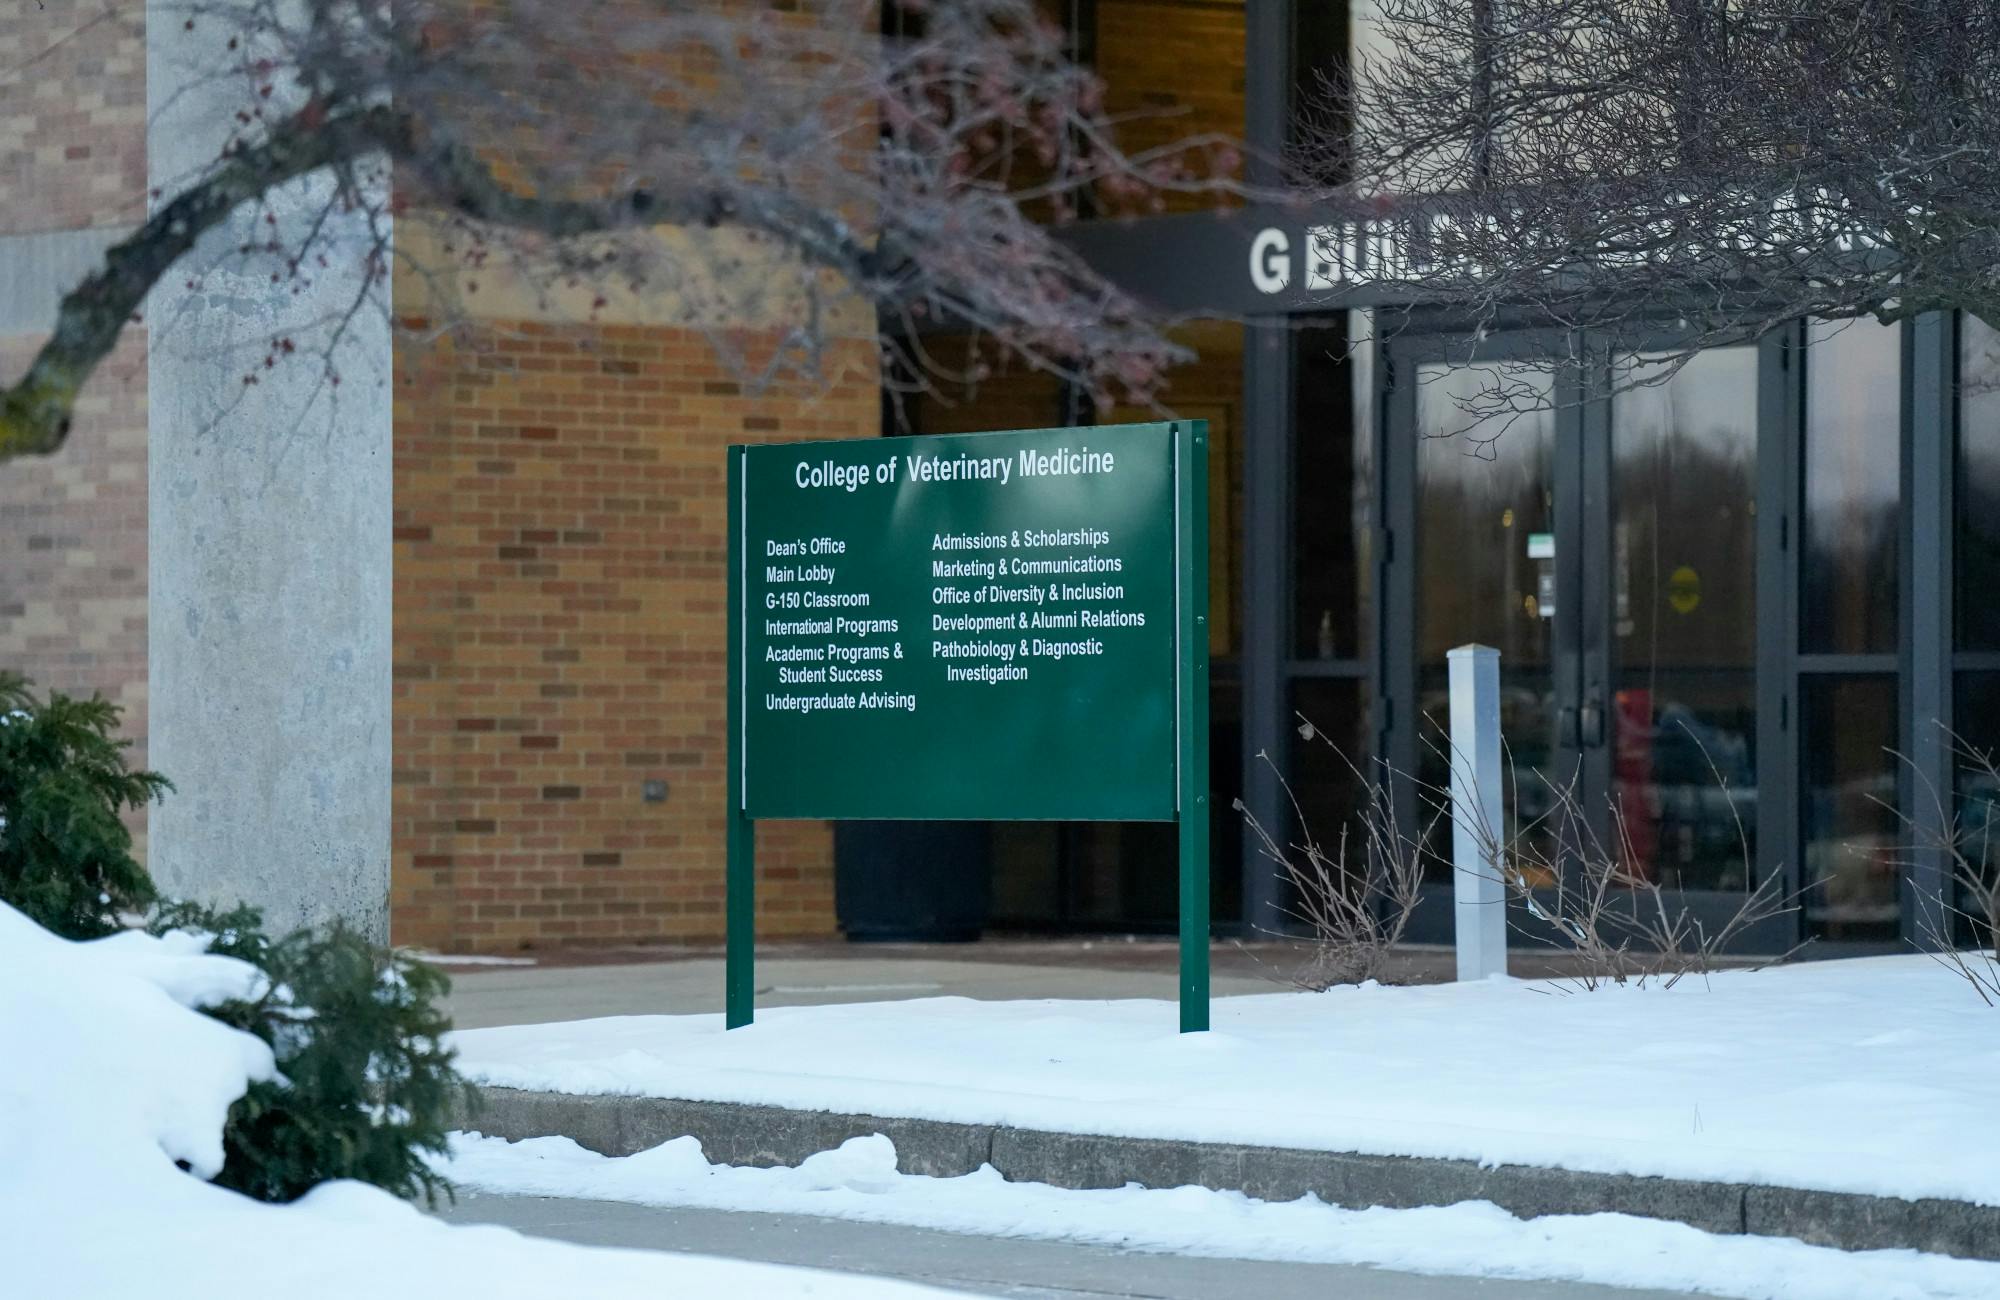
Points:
(1607, 547)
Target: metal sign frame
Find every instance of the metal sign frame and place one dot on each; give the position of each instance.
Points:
(1191, 732)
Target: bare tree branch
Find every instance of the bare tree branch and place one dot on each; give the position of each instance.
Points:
(913, 174)
(35, 411)
(1710, 169)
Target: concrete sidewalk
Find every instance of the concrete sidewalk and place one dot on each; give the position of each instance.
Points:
(582, 984)
(526, 996)
(994, 1266)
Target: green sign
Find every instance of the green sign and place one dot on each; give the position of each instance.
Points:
(967, 627)
(971, 627)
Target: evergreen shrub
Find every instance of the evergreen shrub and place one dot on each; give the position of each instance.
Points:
(366, 1088)
(65, 855)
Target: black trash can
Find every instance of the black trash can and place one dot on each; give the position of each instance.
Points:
(912, 882)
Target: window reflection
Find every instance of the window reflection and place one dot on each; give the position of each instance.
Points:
(1853, 487)
(1486, 512)
(1331, 501)
(1976, 568)
(1684, 644)
(1852, 833)
(1328, 765)
(1978, 790)
(1486, 572)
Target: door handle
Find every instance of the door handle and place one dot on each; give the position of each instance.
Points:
(1568, 733)
(1590, 728)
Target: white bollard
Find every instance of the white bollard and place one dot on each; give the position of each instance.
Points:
(1479, 896)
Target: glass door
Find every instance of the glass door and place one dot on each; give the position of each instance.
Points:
(1607, 545)
(1482, 488)
(1681, 647)
(1487, 573)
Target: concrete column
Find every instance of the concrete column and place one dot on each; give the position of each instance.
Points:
(270, 561)
(1479, 894)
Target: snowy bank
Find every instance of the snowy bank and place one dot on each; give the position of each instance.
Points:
(859, 1181)
(107, 1079)
(1878, 1076)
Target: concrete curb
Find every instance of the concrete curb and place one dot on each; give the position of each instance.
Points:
(740, 1134)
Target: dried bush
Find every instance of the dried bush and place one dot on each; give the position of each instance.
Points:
(1962, 831)
(1354, 896)
(1621, 924)
(1578, 891)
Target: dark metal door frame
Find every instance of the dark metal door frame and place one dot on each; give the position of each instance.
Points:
(1780, 414)
(1581, 651)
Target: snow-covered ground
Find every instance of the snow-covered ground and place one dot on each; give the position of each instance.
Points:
(1878, 1075)
(107, 1079)
(859, 1181)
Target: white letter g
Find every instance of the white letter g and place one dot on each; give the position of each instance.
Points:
(1270, 260)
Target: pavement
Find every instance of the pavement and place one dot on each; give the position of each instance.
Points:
(988, 1266)
(580, 984)
(526, 996)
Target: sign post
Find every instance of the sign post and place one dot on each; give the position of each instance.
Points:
(1004, 626)
(1191, 684)
(740, 887)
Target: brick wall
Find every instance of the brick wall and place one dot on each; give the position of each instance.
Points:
(560, 550)
(560, 592)
(72, 115)
(73, 586)
(72, 158)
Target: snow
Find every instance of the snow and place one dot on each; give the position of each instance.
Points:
(859, 1181)
(107, 1078)
(1878, 1076)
